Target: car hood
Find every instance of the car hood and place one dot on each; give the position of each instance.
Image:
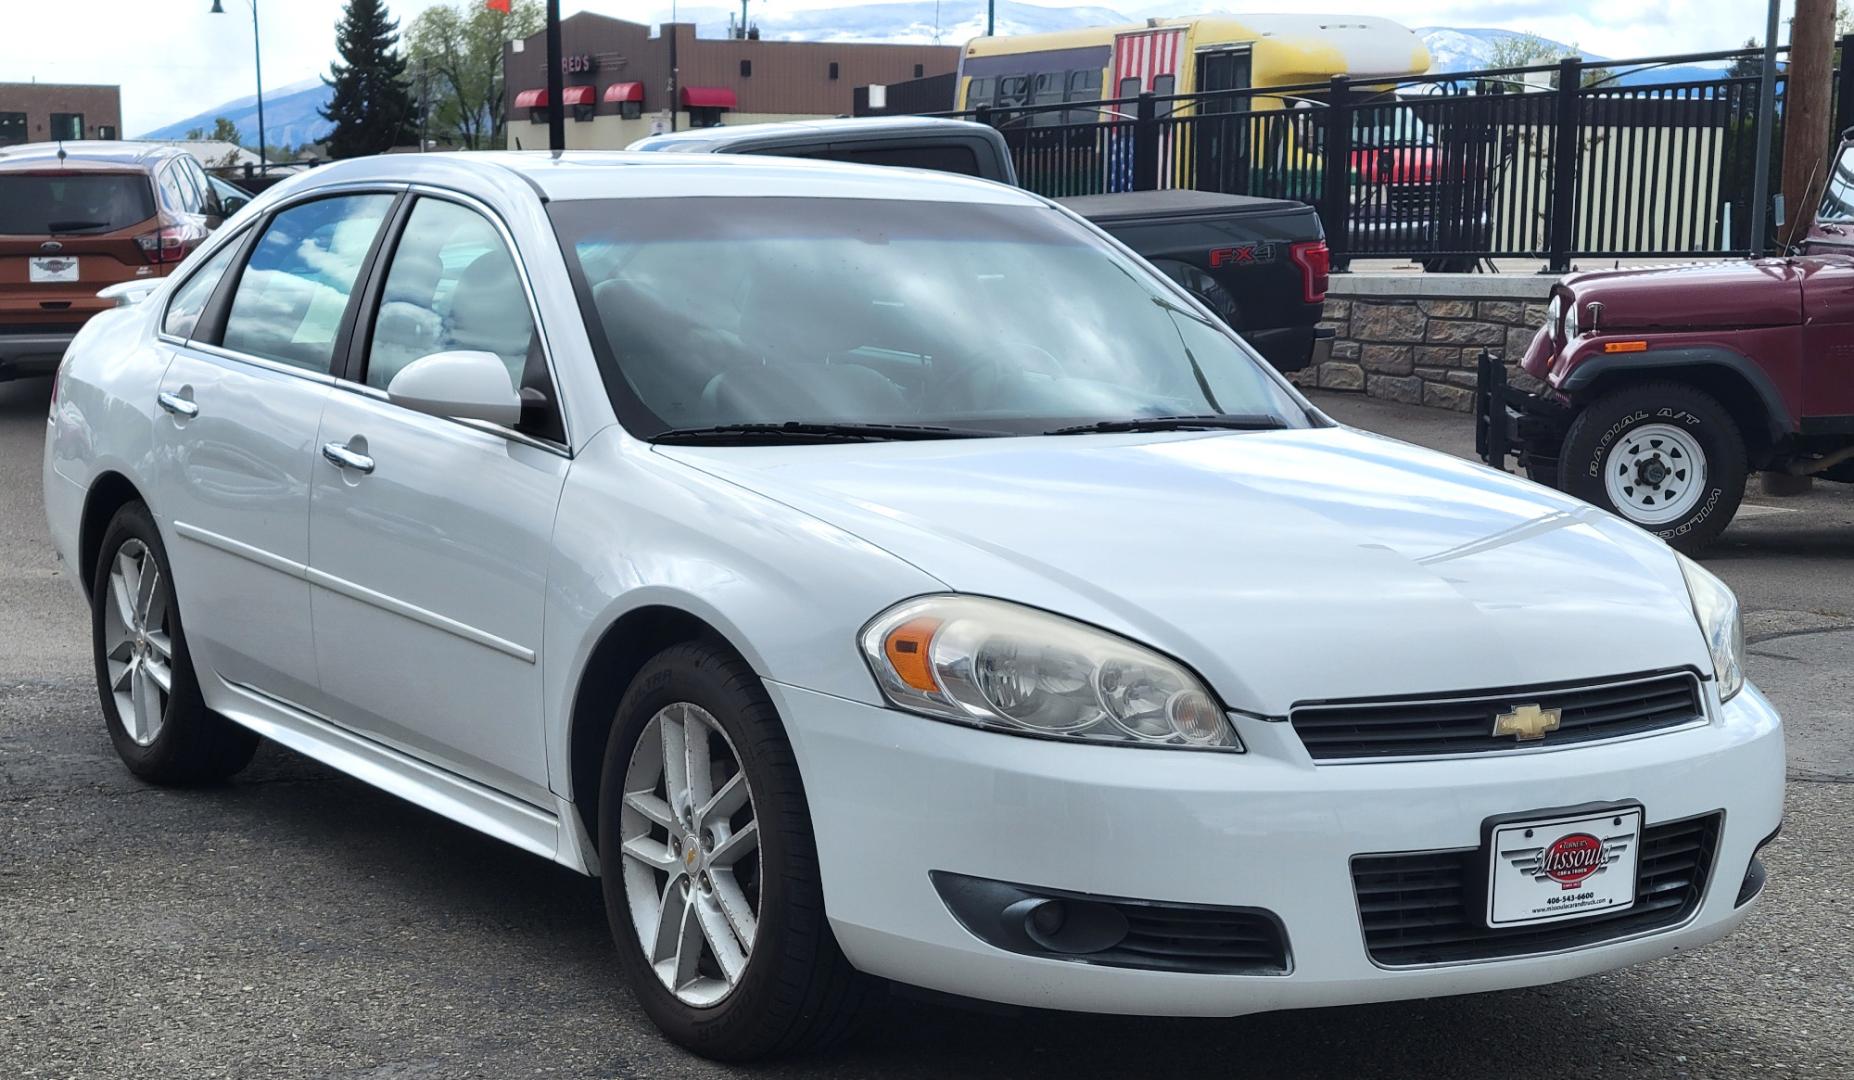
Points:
(1283, 566)
(1748, 293)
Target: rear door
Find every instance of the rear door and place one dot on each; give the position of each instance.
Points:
(65, 233)
(241, 403)
(1222, 135)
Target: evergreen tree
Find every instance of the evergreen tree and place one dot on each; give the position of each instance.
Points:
(372, 105)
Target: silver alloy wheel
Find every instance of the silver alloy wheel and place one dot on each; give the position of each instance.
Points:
(691, 854)
(1655, 474)
(139, 653)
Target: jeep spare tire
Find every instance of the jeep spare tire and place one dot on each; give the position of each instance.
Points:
(1662, 455)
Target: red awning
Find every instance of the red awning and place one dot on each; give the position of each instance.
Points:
(624, 91)
(707, 97)
(531, 99)
(579, 95)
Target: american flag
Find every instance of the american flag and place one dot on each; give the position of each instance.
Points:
(1145, 56)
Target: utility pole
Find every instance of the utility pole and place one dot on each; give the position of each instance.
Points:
(991, 16)
(1766, 121)
(1806, 105)
(556, 81)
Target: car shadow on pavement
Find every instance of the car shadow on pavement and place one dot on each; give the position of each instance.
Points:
(466, 916)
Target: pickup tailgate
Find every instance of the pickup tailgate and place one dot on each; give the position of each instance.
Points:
(1246, 257)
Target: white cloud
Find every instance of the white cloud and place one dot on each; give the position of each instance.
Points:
(172, 59)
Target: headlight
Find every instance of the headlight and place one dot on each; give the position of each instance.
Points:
(1009, 668)
(1717, 611)
(1561, 316)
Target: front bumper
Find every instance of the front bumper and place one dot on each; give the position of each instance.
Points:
(896, 798)
(1514, 423)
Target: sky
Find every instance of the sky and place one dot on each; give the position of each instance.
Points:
(173, 59)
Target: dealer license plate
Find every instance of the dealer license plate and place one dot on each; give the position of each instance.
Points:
(51, 270)
(1558, 868)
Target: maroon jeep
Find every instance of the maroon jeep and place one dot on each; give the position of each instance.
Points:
(1665, 386)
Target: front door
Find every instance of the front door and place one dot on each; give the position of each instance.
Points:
(1222, 129)
(430, 537)
(241, 404)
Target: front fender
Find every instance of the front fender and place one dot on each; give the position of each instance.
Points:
(636, 529)
(1579, 370)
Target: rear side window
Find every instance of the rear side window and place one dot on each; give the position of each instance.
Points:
(294, 291)
(173, 196)
(74, 205)
(183, 311)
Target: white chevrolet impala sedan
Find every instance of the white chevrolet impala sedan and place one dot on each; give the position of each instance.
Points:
(882, 576)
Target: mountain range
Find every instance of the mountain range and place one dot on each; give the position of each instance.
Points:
(291, 118)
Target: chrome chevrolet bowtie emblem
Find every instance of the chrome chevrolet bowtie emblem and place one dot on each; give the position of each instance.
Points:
(1527, 722)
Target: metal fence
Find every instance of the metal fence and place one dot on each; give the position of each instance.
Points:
(1552, 162)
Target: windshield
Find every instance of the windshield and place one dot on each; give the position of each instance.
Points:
(1838, 199)
(1000, 319)
(74, 203)
(1387, 126)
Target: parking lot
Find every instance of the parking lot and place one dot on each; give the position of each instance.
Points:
(298, 923)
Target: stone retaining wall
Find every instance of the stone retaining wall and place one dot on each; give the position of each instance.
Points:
(1416, 339)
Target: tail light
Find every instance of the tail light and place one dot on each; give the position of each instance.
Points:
(1316, 264)
(171, 243)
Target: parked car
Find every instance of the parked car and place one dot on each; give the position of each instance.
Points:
(1260, 264)
(77, 217)
(1666, 386)
(879, 575)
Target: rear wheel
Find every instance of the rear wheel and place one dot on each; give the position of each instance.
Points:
(1662, 455)
(150, 696)
(709, 866)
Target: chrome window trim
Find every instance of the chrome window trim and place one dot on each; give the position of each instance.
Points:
(483, 426)
(210, 248)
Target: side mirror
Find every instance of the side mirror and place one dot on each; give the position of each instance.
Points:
(1778, 219)
(464, 385)
(232, 204)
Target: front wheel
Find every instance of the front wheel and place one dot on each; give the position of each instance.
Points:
(1662, 455)
(710, 869)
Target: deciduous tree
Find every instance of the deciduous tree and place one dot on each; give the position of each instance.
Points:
(456, 51)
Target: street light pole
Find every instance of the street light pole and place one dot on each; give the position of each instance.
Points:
(257, 50)
(1766, 121)
(556, 81)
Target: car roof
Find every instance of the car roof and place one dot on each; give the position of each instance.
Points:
(843, 126)
(87, 153)
(596, 174)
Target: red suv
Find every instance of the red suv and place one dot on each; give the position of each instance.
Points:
(79, 216)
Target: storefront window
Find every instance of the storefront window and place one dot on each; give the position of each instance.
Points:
(66, 125)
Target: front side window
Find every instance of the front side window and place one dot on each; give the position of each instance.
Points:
(190, 299)
(294, 291)
(1002, 319)
(452, 285)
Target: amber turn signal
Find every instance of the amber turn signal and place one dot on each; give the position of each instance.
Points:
(907, 651)
(1625, 346)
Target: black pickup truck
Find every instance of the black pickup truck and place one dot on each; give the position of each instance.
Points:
(1260, 264)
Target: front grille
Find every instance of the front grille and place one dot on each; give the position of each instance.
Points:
(1464, 723)
(1426, 907)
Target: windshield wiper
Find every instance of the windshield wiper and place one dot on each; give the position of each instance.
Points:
(1233, 422)
(75, 226)
(806, 431)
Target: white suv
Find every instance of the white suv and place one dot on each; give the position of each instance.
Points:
(883, 575)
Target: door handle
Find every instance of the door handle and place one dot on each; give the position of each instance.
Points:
(178, 405)
(342, 458)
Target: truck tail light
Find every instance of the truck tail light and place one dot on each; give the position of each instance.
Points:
(1316, 263)
(170, 243)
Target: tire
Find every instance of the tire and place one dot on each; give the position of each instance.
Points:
(163, 736)
(796, 991)
(1614, 446)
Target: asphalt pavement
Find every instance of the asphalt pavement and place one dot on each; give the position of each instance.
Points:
(298, 923)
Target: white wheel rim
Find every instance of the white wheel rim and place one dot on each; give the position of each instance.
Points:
(1655, 474)
(138, 654)
(690, 842)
